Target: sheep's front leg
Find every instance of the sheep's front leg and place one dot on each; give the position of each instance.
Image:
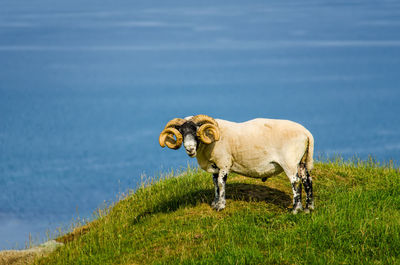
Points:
(219, 184)
(216, 188)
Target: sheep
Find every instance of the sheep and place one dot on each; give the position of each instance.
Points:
(258, 148)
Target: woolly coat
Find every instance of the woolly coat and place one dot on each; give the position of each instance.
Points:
(258, 148)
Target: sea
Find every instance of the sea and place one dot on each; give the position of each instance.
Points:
(87, 86)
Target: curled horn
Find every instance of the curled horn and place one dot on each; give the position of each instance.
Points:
(167, 135)
(208, 131)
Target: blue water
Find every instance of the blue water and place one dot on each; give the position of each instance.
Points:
(86, 87)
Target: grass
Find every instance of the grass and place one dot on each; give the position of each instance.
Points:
(169, 221)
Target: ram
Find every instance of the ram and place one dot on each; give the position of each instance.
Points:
(258, 148)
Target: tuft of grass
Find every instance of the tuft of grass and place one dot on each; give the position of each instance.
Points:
(169, 221)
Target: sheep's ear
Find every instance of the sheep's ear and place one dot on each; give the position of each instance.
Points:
(208, 133)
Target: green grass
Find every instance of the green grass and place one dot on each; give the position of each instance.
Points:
(169, 221)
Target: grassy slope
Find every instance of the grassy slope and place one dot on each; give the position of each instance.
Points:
(357, 220)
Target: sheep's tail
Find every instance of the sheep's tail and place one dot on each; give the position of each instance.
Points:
(308, 156)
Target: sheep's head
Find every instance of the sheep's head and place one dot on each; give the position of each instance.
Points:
(190, 131)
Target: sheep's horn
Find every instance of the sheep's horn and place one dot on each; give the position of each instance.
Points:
(208, 131)
(167, 138)
(199, 119)
(167, 135)
(174, 122)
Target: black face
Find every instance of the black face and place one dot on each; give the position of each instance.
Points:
(188, 128)
(190, 141)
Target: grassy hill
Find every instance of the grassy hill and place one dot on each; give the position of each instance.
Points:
(169, 221)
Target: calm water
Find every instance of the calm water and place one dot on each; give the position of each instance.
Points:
(85, 89)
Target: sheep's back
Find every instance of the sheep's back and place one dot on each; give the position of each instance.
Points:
(257, 145)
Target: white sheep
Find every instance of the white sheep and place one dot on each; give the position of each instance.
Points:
(258, 148)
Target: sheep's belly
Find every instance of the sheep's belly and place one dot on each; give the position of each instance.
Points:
(260, 170)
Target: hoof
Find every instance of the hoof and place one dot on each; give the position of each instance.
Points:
(309, 208)
(219, 206)
(298, 209)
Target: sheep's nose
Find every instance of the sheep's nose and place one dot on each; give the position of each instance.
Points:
(190, 149)
(190, 144)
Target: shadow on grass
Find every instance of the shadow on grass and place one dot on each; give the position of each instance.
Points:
(258, 193)
(236, 192)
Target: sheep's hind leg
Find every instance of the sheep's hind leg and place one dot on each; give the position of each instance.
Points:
(307, 183)
(220, 202)
(296, 188)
